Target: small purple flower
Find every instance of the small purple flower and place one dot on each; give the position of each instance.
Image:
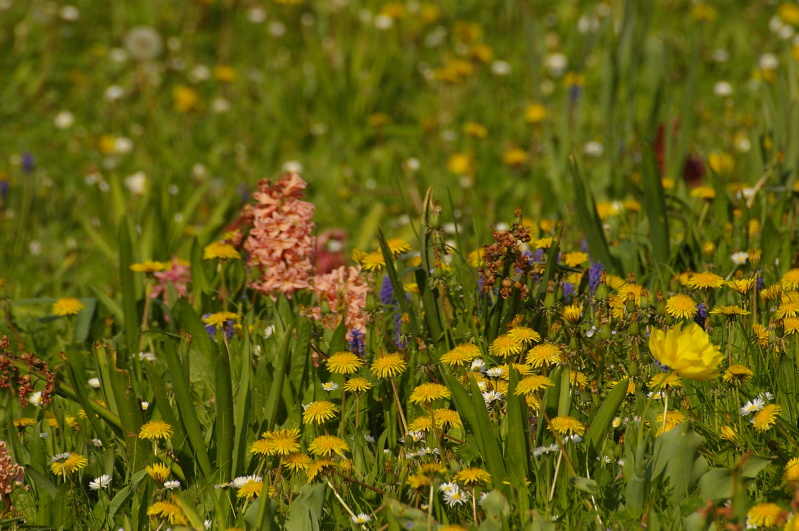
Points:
(662, 367)
(28, 164)
(356, 344)
(228, 326)
(568, 291)
(594, 275)
(387, 292)
(701, 314)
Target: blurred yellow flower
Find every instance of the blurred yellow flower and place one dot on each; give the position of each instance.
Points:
(535, 113)
(721, 162)
(789, 13)
(514, 157)
(704, 12)
(220, 250)
(185, 98)
(460, 163)
(475, 129)
(687, 350)
(67, 306)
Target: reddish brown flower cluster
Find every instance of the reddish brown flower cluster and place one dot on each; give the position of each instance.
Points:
(33, 367)
(10, 474)
(279, 231)
(505, 263)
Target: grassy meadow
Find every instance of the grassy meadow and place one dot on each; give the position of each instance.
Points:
(304, 264)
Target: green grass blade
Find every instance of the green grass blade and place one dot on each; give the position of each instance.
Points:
(603, 418)
(224, 414)
(128, 283)
(655, 209)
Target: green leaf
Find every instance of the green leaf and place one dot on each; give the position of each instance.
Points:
(83, 321)
(491, 454)
(125, 493)
(280, 377)
(585, 485)
(128, 283)
(201, 345)
(224, 413)
(589, 221)
(305, 512)
(673, 458)
(497, 512)
(718, 483)
(464, 406)
(517, 446)
(41, 481)
(603, 418)
(655, 209)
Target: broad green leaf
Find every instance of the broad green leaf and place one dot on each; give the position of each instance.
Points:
(517, 450)
(604, 417)
(655, 209)
(305, 512)
(673, 458)
(127, 281)
(224, 413)
(126, 492)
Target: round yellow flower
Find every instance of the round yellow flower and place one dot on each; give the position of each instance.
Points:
(742, 285)
(277, 442)
(67, 306)
(461, 354)
(24, 422)
(219, 318)
(687, 350)
(531, 384)
(344, 363)
(168, 511)
(67, 463)
(543, 354)
(572, 313)
(506, 345)
(705, 280)
(737, 374)
(374, 261)
(389, 365)
(221, 250)
(297, 461)
(665, 380)
(729, 311)
(250, 489)
(524, 334)
(327, 445)
(790, 476)
(764, 514)
(428, 392)
(673, 418)
(472, 476)
(150, 266)
(566, 424)
(398, 246)
(764, 419)
(681, 307)
(357, 385)
(728, 434)
(158, 471)
(155, 429)
(790, 280)
(318, 412)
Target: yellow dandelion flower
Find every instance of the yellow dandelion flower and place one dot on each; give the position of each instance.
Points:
(155, 429)
(681, 307)
(67, 463)
(460, 355)
(765, 515)
(475, 258)
(398, 246)
(673, 418)
(250, 489)
(374, 261)
(533, 402)
(344, 363)
(428, 392)
(389, 365)
(703, 192)
(728, 434)
(318, 412)
(472, 476)
(630, 291)
(761, 333)
(771, 292)
(790, 325)
(220, 250)
(219, 318)
(742, 285)
(447, 417)
(506, 345)
(787, 309)
(277, 442)
(514, 156)
(764, 419)
(460, 163)
(418, 481)
(297, 461)
(318, 468)
(158, 471)
(567, 425)
(737, 374)
(475, 129)
(543, 243)
(524, 334)
(543, 354)
(729, 311)
(357, 385)
(150, 266)
(705, 280)
(687, 350)
(790, 476)
(423, 424)
(327, 445)
(572, 313)
(578, 379)
(531, 384)
(168, 511)
(67, 306)
(535, 113)
(665, 380)
(575, 259)
(790, 280)
(24, 422)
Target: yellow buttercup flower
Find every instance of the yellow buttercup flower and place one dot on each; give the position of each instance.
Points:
(67, 306)
(687, 350)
